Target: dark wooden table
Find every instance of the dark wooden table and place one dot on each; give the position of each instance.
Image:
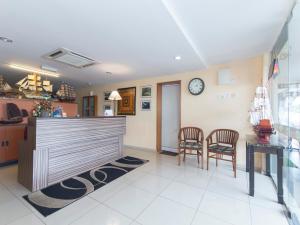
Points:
(274, 147)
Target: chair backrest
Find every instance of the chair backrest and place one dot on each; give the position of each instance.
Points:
(190, 134)
(226, 136)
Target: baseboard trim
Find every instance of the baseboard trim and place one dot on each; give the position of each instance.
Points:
(8, 163)
(139, 148)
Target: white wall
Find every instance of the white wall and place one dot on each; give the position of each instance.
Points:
(210, 110)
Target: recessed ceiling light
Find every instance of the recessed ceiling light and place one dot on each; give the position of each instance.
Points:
(178, 57)
(5, 39)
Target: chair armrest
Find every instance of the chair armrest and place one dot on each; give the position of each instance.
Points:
(179, 136)
(235, 141)
(201, 137)
(209, 138)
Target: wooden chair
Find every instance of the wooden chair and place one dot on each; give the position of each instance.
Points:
(220, 143)
(190, 138)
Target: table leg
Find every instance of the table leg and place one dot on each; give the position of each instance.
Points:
(251, 171)
(279, 176)
(268, 158)
(247, 157)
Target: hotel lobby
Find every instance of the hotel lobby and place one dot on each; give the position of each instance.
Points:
(149, 112)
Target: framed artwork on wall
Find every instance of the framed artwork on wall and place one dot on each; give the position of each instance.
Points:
(106, 95)
(107, 107)
(126, 106)
(146, 105)
(146, 91)
(107, 110)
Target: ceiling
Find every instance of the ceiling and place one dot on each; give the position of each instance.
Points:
(136, 38)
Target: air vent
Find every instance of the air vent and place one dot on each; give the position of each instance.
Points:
(70, 58)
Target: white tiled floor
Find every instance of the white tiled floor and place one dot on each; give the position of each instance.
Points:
(158, 193)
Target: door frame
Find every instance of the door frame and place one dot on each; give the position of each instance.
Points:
(159, 110)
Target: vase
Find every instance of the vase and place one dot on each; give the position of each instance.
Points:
(45, 114)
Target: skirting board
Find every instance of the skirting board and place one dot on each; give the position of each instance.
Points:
(138, 148)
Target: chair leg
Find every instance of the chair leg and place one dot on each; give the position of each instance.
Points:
(198, 157)
(184, 155)
(234, 167)
(207, 159)
(202, 159)
(179, 157)
(216, 159)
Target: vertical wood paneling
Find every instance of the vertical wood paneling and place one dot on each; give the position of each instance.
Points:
(67, 147)
(40, 169)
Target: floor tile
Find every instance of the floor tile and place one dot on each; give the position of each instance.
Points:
(227, 209)
(108, 190)
(104, 216)
(273, 216)
(230, 187)
(265, 199)
(184, 194)
(204, 219)
(225, 172)
(130, 201)
(133, 175)
(132, 195)
(195, 177)
(18, 190)
(152, 183)
(5, 195)
(167, 171)
(70, 213)
(28, 220)
(163, 211)
(8, 175)
(11, 210)
(135, 223)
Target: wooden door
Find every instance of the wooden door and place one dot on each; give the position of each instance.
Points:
(2, 144)
(14, 136)
(89, 106)
(85, 106)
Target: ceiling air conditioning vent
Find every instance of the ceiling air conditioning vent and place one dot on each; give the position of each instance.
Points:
(70, 58)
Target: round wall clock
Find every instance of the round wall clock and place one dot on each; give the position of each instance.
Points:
(196, 86)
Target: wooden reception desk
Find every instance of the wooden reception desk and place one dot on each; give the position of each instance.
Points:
(60, 148)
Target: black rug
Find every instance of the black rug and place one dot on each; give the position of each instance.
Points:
(57, 196)
(169, 153)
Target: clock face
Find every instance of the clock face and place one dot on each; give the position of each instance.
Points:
(196, 86)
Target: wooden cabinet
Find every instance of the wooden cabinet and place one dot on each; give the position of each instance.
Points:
(10, 139)
(89, 106)
(2, 145)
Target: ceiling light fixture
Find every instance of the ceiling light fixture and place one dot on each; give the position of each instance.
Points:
(48, 68)
(34, 70)
(6, 40)
(178, 57)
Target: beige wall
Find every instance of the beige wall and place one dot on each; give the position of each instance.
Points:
(207, 111)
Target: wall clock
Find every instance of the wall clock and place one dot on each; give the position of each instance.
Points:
(196, 86)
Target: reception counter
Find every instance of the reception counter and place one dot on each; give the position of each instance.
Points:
(60, 148)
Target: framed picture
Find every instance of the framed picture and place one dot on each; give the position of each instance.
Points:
(106, 95)
(126, 106)
(146, 92)
(107, 107)
(146, 105)
(107, 110)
